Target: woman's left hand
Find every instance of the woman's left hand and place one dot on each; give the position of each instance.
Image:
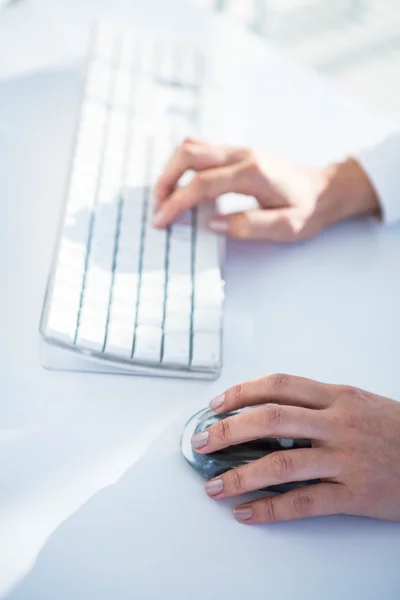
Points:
(355, 449)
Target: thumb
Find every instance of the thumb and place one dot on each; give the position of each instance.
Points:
(278, 225)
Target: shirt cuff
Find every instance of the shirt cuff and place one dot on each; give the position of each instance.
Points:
(382, 165)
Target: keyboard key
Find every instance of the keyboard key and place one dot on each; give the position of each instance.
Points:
(206, 351)
(137, 161)
(123, 87)
(207, 320)
(190, 67)
(207, 252)
(162, 151)
(152, 293)
(154, 260)
(180, 284)
(91, 336)
(124, 295)
(69, 295)
(61, 322)
(101, 258)
(125, 281)
(123, 310)
(97, 278)
(177, 321)
(155, 243)
(93, 114)
(144, 97)
(128, 259)
(147, 58)
(119, 338)
(176, 349)
(72, 254)
(179, 303)
(68, 276)
(104, 42)
(180, 262)
(182, 232)
(165, 67)
(151, 313)
(132, 207)
(91, 309)
(208, 289)
(148, 343)
(128, 51)
(130, 234)
(153, 278)
(98, 81)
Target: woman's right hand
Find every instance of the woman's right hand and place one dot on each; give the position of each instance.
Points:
(296, 201)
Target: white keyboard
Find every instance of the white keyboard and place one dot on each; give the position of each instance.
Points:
(120, 292)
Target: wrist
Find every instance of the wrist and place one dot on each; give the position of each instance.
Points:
(347, 192)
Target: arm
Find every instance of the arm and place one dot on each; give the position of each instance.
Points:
(382, 164)
(355, 449)
(295, 201)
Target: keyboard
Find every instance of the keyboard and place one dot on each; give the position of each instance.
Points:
(121, 294)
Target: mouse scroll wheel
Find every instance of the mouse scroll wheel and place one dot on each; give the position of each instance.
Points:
(286, 443)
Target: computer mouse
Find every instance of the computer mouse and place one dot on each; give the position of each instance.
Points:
(216, 463)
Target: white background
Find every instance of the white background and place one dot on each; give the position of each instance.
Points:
(326, 309)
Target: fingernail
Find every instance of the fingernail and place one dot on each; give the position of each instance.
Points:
(217, 402)
(200, 439)
(218, 225)
(214, 487)
(158, 218)
(243, 513)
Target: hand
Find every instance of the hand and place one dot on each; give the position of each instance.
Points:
(355, 449)
(296, 201)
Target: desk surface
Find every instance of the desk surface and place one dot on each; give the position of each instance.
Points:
(326, 309)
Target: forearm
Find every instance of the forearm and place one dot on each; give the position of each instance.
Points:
(382, 164)
(367, 184)
(348, 192)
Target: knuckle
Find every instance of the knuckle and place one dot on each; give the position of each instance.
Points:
(357, 395)
(348, 408)
(251, 166)
(303, 503)
(277, 382)
(347, 393)
(240, 226)
(352, 457)
(201, 182)
(331, 419)
(222, 430)
(294, 228)
(248, 154)
(236, 481)
(185, 149)
(282, 465)
(341, 421)
(237, 393)
(351, 421)
(242, 153)
(269, 513)
(271, 415)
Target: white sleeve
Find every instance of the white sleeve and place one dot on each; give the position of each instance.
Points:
(382, 165)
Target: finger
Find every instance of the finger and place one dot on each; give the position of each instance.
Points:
(309, 501)
(265, 421)
(277, 225)
(279, 467)
(206, 185)
(192, 154)
(280, 388)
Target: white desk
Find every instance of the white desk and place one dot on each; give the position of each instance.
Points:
(326, 309)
